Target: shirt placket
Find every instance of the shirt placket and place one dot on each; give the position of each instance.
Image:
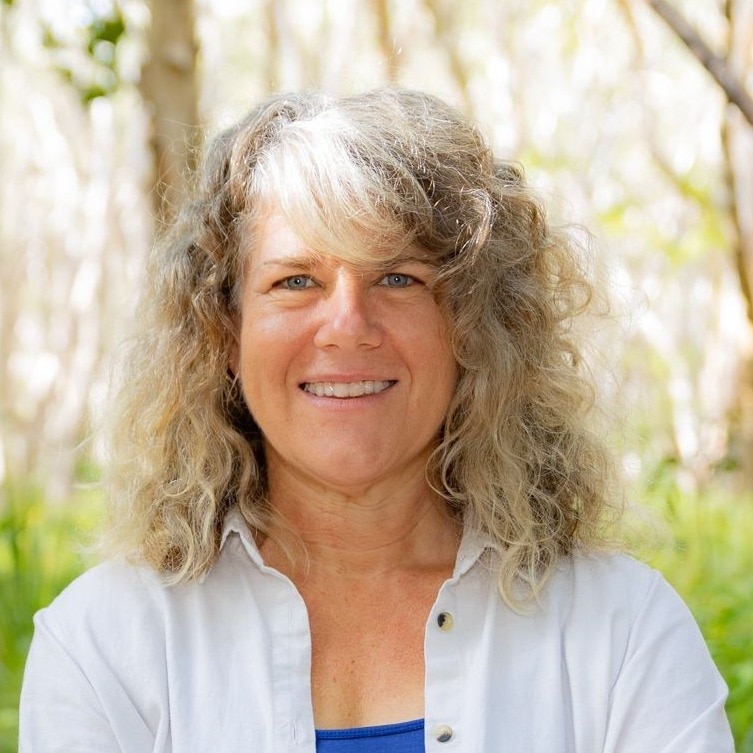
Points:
(444, 701)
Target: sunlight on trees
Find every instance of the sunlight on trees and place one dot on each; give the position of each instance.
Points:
(638, 144)
(72, 226)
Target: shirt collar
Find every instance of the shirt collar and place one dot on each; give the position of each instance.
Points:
(236, 525)
(473, 543)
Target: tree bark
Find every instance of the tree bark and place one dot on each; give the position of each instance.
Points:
(170, 90)
(717, 66)
(447, 37)
(738, 151)
(385, 39)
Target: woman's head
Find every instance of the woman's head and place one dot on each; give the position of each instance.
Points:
(365, 179)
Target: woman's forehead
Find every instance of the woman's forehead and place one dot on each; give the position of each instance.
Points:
(284, 235)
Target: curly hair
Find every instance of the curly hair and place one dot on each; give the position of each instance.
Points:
(363, 176)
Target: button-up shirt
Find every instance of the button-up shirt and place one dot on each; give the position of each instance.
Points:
(609, 661)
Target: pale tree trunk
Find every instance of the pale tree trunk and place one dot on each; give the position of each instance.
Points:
(72, 232)
(170, 90)
(721, 68)
(385, 39)
(730, 72)
(271, 34)
(444, 16)
(738, 149)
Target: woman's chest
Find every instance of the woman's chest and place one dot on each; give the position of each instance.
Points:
(367, 657)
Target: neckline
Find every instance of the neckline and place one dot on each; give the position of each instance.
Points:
(473, 542)
(379, 730)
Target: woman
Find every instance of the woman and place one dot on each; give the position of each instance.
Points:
(358, 501)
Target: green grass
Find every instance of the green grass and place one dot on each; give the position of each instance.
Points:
(707, 556)
(38, 558)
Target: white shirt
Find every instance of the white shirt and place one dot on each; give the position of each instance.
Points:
(611, 662)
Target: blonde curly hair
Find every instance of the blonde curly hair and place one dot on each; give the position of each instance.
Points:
(357, 175)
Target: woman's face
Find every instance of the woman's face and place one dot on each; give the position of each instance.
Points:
(347, 372)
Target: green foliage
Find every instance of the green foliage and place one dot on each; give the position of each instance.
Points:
(37, 560)
(708, 558)
(91, 66)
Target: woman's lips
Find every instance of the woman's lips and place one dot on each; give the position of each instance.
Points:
(347, 389)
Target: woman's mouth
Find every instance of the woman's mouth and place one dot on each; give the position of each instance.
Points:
(346, 389)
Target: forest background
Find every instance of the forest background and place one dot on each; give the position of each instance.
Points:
(632, 118)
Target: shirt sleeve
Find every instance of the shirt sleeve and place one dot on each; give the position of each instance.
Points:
(668, 696)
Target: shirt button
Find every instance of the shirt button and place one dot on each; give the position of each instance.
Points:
(442, 733)
(445, 621)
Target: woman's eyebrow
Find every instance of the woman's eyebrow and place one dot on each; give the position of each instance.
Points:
(308, 261)
(407, 258)
(299, 261)
(415, 259)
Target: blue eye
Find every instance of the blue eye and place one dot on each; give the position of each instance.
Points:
(397, 280)
(296, 282)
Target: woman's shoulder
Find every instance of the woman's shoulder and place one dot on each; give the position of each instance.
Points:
(609, 576)
(620, 589)
(128, 600)
(110, 597)
(610, 570)
(111, 580)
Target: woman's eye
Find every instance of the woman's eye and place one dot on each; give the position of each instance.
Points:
(397, 280)
(296, 282)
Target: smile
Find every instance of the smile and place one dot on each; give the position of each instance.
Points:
(346, 389)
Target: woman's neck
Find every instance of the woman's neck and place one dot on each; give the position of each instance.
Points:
(395, 525)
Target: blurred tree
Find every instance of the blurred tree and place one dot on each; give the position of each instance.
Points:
(626, 143)
(446, 17)
(730, 71)
(70, 198)
(738, 152)
(170, 90)
(92, 66)
(385, 35)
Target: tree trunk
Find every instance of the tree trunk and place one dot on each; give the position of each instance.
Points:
(385, 39)
(730, 72)
(738, 150)
(716, 65)
(170, 90)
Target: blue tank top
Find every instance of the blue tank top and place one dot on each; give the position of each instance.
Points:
(405, 737)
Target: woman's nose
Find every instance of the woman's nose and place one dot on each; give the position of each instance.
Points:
(348, 315)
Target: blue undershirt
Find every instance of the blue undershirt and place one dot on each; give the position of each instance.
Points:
(405, 737)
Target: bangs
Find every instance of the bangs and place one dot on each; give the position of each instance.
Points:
(361, 209)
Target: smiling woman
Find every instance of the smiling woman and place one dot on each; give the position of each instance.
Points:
(356, 502)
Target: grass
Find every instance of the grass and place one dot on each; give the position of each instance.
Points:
(38, 559)
(708, 558)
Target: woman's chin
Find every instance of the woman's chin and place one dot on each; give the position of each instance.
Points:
(350, 471)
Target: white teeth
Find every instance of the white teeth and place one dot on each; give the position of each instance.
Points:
(346, 389)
